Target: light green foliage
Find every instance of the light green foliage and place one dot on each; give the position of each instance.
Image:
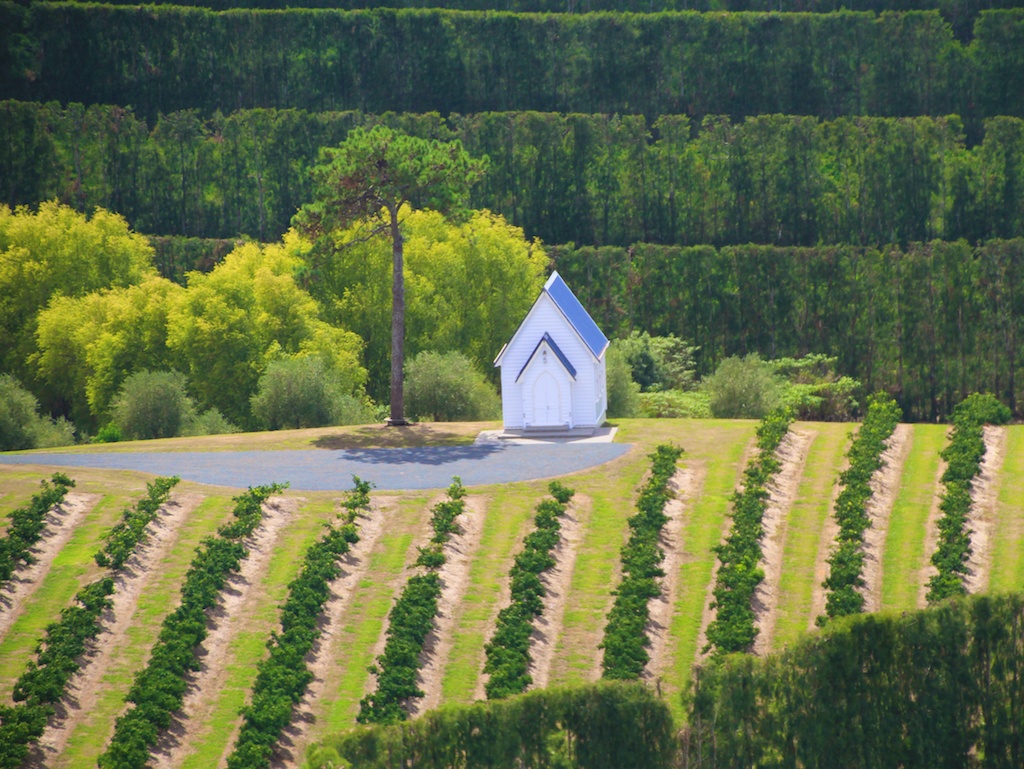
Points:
(248, 311)
(815, 392)
(744, 388)
(89, 345)
(152, 404)
(58, 252)
(675, 404)
(623, 392)
(210, 422)
(304, 392)
(447, 387)
(21, 427)
(467, 287)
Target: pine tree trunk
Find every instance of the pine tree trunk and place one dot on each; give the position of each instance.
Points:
(397, 418)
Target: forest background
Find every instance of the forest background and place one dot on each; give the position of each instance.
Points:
(849, 183)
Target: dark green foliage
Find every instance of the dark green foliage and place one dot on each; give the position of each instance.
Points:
(941, 688)
(130, 531)
(625, 635)
(27, 524)
(410, 620)
(283, 676)
(743, 388)
(594, 179)
(508, 651)
(921, 322)
(841, 63)
(159, 689)
(739, 573)
(606, 726)
(846, 562)
(22, 427)
(963, 457)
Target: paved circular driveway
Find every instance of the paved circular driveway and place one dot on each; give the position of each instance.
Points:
(323, 470)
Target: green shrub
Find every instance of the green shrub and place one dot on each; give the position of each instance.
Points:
(675, 404)
(446, 387)
(22, 427)
(658, 362)
(303, 392)
(744, 388)
(210, 422)
(108, 434)
(623, 392)
(152, 404)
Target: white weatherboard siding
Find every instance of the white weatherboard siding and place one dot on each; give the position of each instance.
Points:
(579, 402)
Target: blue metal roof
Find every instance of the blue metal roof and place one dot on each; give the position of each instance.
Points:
(570, 306)
(555, 349)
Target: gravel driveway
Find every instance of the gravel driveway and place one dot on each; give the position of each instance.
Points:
(324, 470)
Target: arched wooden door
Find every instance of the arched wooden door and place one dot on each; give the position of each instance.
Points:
(547, 401)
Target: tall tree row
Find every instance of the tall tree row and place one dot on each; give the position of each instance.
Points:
(168, 58)
(928, 323)
(585, 179)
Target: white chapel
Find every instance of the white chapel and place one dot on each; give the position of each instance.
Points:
(553, 368)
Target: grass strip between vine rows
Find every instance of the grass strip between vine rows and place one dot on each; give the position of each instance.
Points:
(625, 635)
(283, 677)
(159, 689)
(410, 620)
(508, 651)
(44, 682)
(846, 562)
(963, 457)
(27, 524)
(733, 628)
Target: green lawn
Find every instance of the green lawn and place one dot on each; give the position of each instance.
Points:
(131, 651)
(721, 452)
(596, 572)
(904, 556)
(215, 736)
(804, 528)
(71, 569)
(1008, 528)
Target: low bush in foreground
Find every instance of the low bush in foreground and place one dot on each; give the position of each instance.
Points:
(939, 688)
(598, 726)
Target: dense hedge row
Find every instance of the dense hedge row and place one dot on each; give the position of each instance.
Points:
(159, 689)
(599, 726)
(959, 13)
(60, 652)
(283, 676)
(591, 179)
(927, 323)
(963, 457)
(739, 571)
(27, 524)
(130, 531)
(625, 635)
(934, 689)
(846, 561)
(508, 651)
(410, 620)
(166, 58)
